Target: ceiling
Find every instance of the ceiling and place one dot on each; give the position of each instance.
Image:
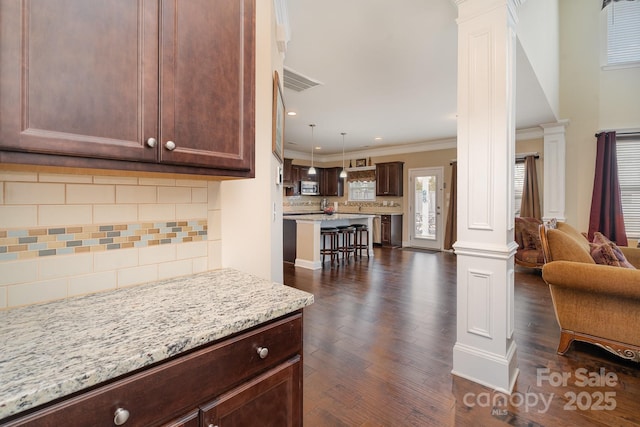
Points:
(388, 69)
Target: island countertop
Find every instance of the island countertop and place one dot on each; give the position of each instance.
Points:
(52, 350)
(324, 217)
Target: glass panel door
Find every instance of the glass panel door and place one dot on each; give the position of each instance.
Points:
(425, 208)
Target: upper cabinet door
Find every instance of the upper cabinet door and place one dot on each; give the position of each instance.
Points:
(79, 77)
(207, 83)
(389, 178)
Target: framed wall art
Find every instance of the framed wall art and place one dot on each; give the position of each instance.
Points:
(278, 119)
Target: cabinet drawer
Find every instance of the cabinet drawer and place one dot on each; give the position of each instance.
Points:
(170, 389)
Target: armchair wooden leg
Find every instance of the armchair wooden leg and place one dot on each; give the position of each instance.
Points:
(566, 338)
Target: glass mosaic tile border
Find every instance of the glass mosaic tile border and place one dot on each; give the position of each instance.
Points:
(18, 244)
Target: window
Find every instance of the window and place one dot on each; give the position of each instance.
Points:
(623, 34)
(360, 191)
(518, 185)
(628, 153)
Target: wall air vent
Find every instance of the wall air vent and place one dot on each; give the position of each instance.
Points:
(296, 81)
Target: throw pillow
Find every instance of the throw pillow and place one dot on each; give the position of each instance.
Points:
(604, 251)
(552, 223)
(531, 239)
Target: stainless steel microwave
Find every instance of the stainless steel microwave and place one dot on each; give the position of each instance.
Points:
(309, 188)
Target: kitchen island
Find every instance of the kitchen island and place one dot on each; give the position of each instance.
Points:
(307, 234)
(153, 352)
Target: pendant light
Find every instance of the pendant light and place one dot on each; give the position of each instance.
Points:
(312, 170)
(343, 174)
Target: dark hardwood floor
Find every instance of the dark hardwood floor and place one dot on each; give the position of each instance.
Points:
(378, 352)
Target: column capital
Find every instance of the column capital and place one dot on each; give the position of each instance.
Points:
(557, 127)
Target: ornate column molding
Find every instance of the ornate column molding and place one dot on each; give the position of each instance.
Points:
(554, 170)
(485, 350)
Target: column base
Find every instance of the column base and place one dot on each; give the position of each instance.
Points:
(489, 369)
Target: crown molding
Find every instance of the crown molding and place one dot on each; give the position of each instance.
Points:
(442, 144)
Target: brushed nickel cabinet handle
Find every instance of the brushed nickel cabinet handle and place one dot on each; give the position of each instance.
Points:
(120, 416)
(263, 352)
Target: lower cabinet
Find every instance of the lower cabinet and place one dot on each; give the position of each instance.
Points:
(266, 401)
(253, 378)
(391, 230)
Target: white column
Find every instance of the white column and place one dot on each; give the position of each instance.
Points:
(485, 350)
(554, 170)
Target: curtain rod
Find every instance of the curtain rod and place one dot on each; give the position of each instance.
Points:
(523, 155)
(633, 133)
(520, 156)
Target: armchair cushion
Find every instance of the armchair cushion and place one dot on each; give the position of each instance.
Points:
(565, 247)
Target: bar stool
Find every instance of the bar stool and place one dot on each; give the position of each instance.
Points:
(361, 231)
(347, 246)
(332, 250)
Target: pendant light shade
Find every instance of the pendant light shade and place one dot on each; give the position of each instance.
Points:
(312, 170)
(343, 174)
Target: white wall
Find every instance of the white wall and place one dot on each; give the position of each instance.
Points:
(591, 98)
(542, 47)
(251, 234)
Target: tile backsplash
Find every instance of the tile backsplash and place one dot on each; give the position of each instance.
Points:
(69, 234)
(36, 242)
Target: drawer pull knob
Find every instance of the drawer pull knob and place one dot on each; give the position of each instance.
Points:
(170, 145)
(120, 416)
(263, 352)
(151, 142)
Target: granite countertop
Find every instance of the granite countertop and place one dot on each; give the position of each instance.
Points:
(54, 349)
(384, 213)
(325, 217)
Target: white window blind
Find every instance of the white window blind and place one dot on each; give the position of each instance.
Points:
(623, 32)
(628, 154)
(518, 184)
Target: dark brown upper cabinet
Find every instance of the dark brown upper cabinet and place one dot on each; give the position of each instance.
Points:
(331, 184)
(159, 86)
(389, 179)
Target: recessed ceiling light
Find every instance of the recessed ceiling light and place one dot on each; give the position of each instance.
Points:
(291, 113)
(318, 148)
(378, 138)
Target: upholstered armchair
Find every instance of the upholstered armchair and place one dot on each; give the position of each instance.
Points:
(529, 253)
(598, 303)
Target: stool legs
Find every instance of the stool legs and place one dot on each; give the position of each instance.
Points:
(348, 243)
(332, 250)
(360, 243)
(362, 231)
(344, 240)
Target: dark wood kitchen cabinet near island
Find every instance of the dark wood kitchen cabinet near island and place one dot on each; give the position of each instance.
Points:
(158, 86)
(391, 230)
(389, 179)
(253, 378)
